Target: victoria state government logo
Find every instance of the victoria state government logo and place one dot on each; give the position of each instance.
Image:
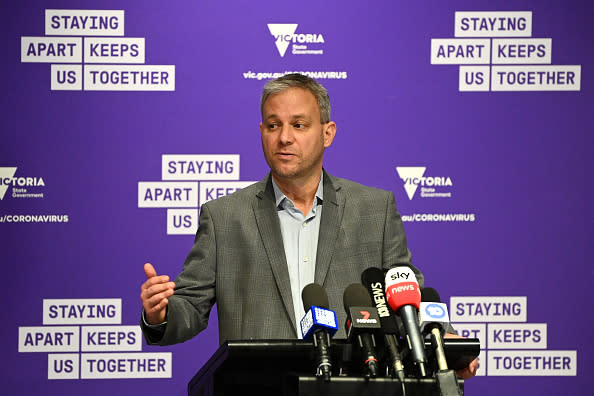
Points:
(285, 34)
(431, 186)
(21, 186)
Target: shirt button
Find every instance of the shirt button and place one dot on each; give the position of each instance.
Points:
(306, 259)
(304, 224)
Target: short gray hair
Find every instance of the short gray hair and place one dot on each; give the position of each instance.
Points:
(296, 80)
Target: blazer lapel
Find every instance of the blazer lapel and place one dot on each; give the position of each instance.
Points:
(333, 208)
(269, 228)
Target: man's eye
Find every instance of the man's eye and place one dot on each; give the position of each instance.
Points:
(299, 126)
(272, 126)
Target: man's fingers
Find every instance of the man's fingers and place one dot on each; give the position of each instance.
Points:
(162, 305)
(158, 313)
(469, 371)
(156, 301)
(148, 291)
(156, 280)
(151, 290)
(473, 366)
(149, 271)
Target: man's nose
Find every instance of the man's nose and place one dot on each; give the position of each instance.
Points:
(286, 135)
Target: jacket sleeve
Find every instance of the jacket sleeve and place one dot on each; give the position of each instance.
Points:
(395, 248)
(189, 307)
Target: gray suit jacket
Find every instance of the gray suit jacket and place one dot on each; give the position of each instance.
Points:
(238, 260)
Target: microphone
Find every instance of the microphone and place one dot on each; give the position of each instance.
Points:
(404, 297)
(433, 317)
(373, 279)
(318, 325)
(362, 322)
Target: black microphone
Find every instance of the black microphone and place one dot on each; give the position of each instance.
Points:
(433, 317)
(318, 325)
(404, 297)
(362, 322)
(373, 279)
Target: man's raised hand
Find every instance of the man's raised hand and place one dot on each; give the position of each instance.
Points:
(155, 293)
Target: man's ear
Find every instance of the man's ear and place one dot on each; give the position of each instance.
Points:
(329, 133)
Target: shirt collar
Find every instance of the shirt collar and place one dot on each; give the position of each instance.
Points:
(280, 196)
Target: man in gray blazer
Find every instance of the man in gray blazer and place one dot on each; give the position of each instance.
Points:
(256, 249)
(238, 260)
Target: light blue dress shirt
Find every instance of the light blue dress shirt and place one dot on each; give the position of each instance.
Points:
(300, 238)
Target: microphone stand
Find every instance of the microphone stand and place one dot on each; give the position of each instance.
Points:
(446, 379)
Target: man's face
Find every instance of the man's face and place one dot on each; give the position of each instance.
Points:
(293, 138)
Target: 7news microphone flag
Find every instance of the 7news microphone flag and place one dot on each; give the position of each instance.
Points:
(373, 279)
(361, 325)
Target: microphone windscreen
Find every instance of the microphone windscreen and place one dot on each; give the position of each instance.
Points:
(314, 294)
(356, 295)
(429, 294)
(372, 275)
(373, 279)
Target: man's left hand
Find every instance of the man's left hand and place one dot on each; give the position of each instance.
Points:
(468, 371)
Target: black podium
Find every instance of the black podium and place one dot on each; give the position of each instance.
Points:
(286, 368)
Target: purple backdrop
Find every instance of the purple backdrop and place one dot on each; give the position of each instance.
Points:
(492, 184)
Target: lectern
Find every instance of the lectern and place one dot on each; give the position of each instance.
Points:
(286, 368)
